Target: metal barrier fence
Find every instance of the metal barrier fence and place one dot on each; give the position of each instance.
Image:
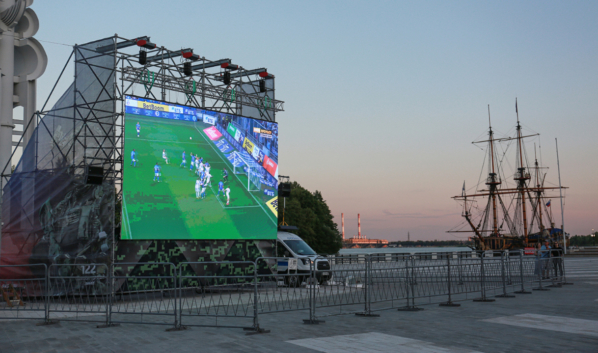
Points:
(235, 294)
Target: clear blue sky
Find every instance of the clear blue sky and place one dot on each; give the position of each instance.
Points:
(383, 98)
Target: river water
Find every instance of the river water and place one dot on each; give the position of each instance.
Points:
(401, 250)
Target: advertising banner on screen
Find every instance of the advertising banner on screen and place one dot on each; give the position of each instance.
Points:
(209, 119)
(232, 130)
(213, 133)
(273, 205)
(256, 153)
(248, 146)
(263, 132)
(271, 166)
(179, 177)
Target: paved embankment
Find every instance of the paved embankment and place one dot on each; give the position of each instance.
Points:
(560, 320)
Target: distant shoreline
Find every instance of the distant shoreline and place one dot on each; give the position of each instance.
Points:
(419, 249)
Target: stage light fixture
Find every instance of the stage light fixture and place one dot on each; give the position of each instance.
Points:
(263, 74)
(187, 68)
(145, 44)
(226, 78)
(142, 57)
(189, 55)
(262, 86)
(284, 189)
(229, 66)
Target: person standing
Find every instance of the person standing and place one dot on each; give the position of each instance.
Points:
(545, 257)
(227, 192)
(203, 189)
(197, 188)
(157, 172)
(138, 126)
(208, 179)
(133, 160)
(557, 259)
(184, 162)
(224, 175)
(220, 187)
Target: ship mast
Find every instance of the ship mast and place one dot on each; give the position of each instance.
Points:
(539, 192)
(521, 176)
(492, 180)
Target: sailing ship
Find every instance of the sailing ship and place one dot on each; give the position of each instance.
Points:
(510, 211)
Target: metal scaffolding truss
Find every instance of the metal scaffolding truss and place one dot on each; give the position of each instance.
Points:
(86, 125)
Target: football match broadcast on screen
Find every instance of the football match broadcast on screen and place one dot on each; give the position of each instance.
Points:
(197, 174)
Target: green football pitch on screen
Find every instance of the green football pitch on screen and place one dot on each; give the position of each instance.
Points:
(167, 205)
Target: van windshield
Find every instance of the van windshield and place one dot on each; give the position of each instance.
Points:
(300, 247)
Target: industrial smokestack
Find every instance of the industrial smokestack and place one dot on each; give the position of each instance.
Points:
(343, 224)
(358, 226)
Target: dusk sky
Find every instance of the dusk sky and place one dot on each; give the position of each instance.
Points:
(383, 98)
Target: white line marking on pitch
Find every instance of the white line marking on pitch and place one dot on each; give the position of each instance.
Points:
(552, 323)
(169, 141)
(129, 234)
(373, 342)
(240, 207)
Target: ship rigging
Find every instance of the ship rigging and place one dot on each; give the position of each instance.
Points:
(516, 213)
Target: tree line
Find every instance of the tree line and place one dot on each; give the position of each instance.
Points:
(584, 240)
(309, 212)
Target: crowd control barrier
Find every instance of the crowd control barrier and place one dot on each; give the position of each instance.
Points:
(235, 294)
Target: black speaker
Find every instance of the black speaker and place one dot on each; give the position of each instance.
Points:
(187, 68)
(226, 78)
(94, 175)
(142, 57)
(262, 86)
(284, 189)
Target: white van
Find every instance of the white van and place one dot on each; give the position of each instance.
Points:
(291, 246)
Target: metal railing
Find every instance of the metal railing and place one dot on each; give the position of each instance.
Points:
(235, 294)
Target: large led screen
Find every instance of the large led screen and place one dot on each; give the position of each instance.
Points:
(197, 174)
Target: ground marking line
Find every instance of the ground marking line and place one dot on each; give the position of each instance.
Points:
(373, 342)
(552, 323)
(268, 215)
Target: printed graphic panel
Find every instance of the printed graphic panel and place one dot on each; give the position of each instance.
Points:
(197, 174)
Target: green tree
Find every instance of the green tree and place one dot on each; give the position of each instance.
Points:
(309, 212)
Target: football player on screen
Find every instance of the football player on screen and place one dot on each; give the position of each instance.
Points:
(138, 128)
(207, 168)
(197, 188)
(202, 177)
(208, 178)
(164, 156)
(133, 160)
(220, 187)
(157, 172)
(192, 161)
(197, 165)
(184, 162)
(203, 190)
(224, 175)
(227, 192)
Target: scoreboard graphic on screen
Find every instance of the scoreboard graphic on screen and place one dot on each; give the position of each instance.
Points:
(197, 174)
